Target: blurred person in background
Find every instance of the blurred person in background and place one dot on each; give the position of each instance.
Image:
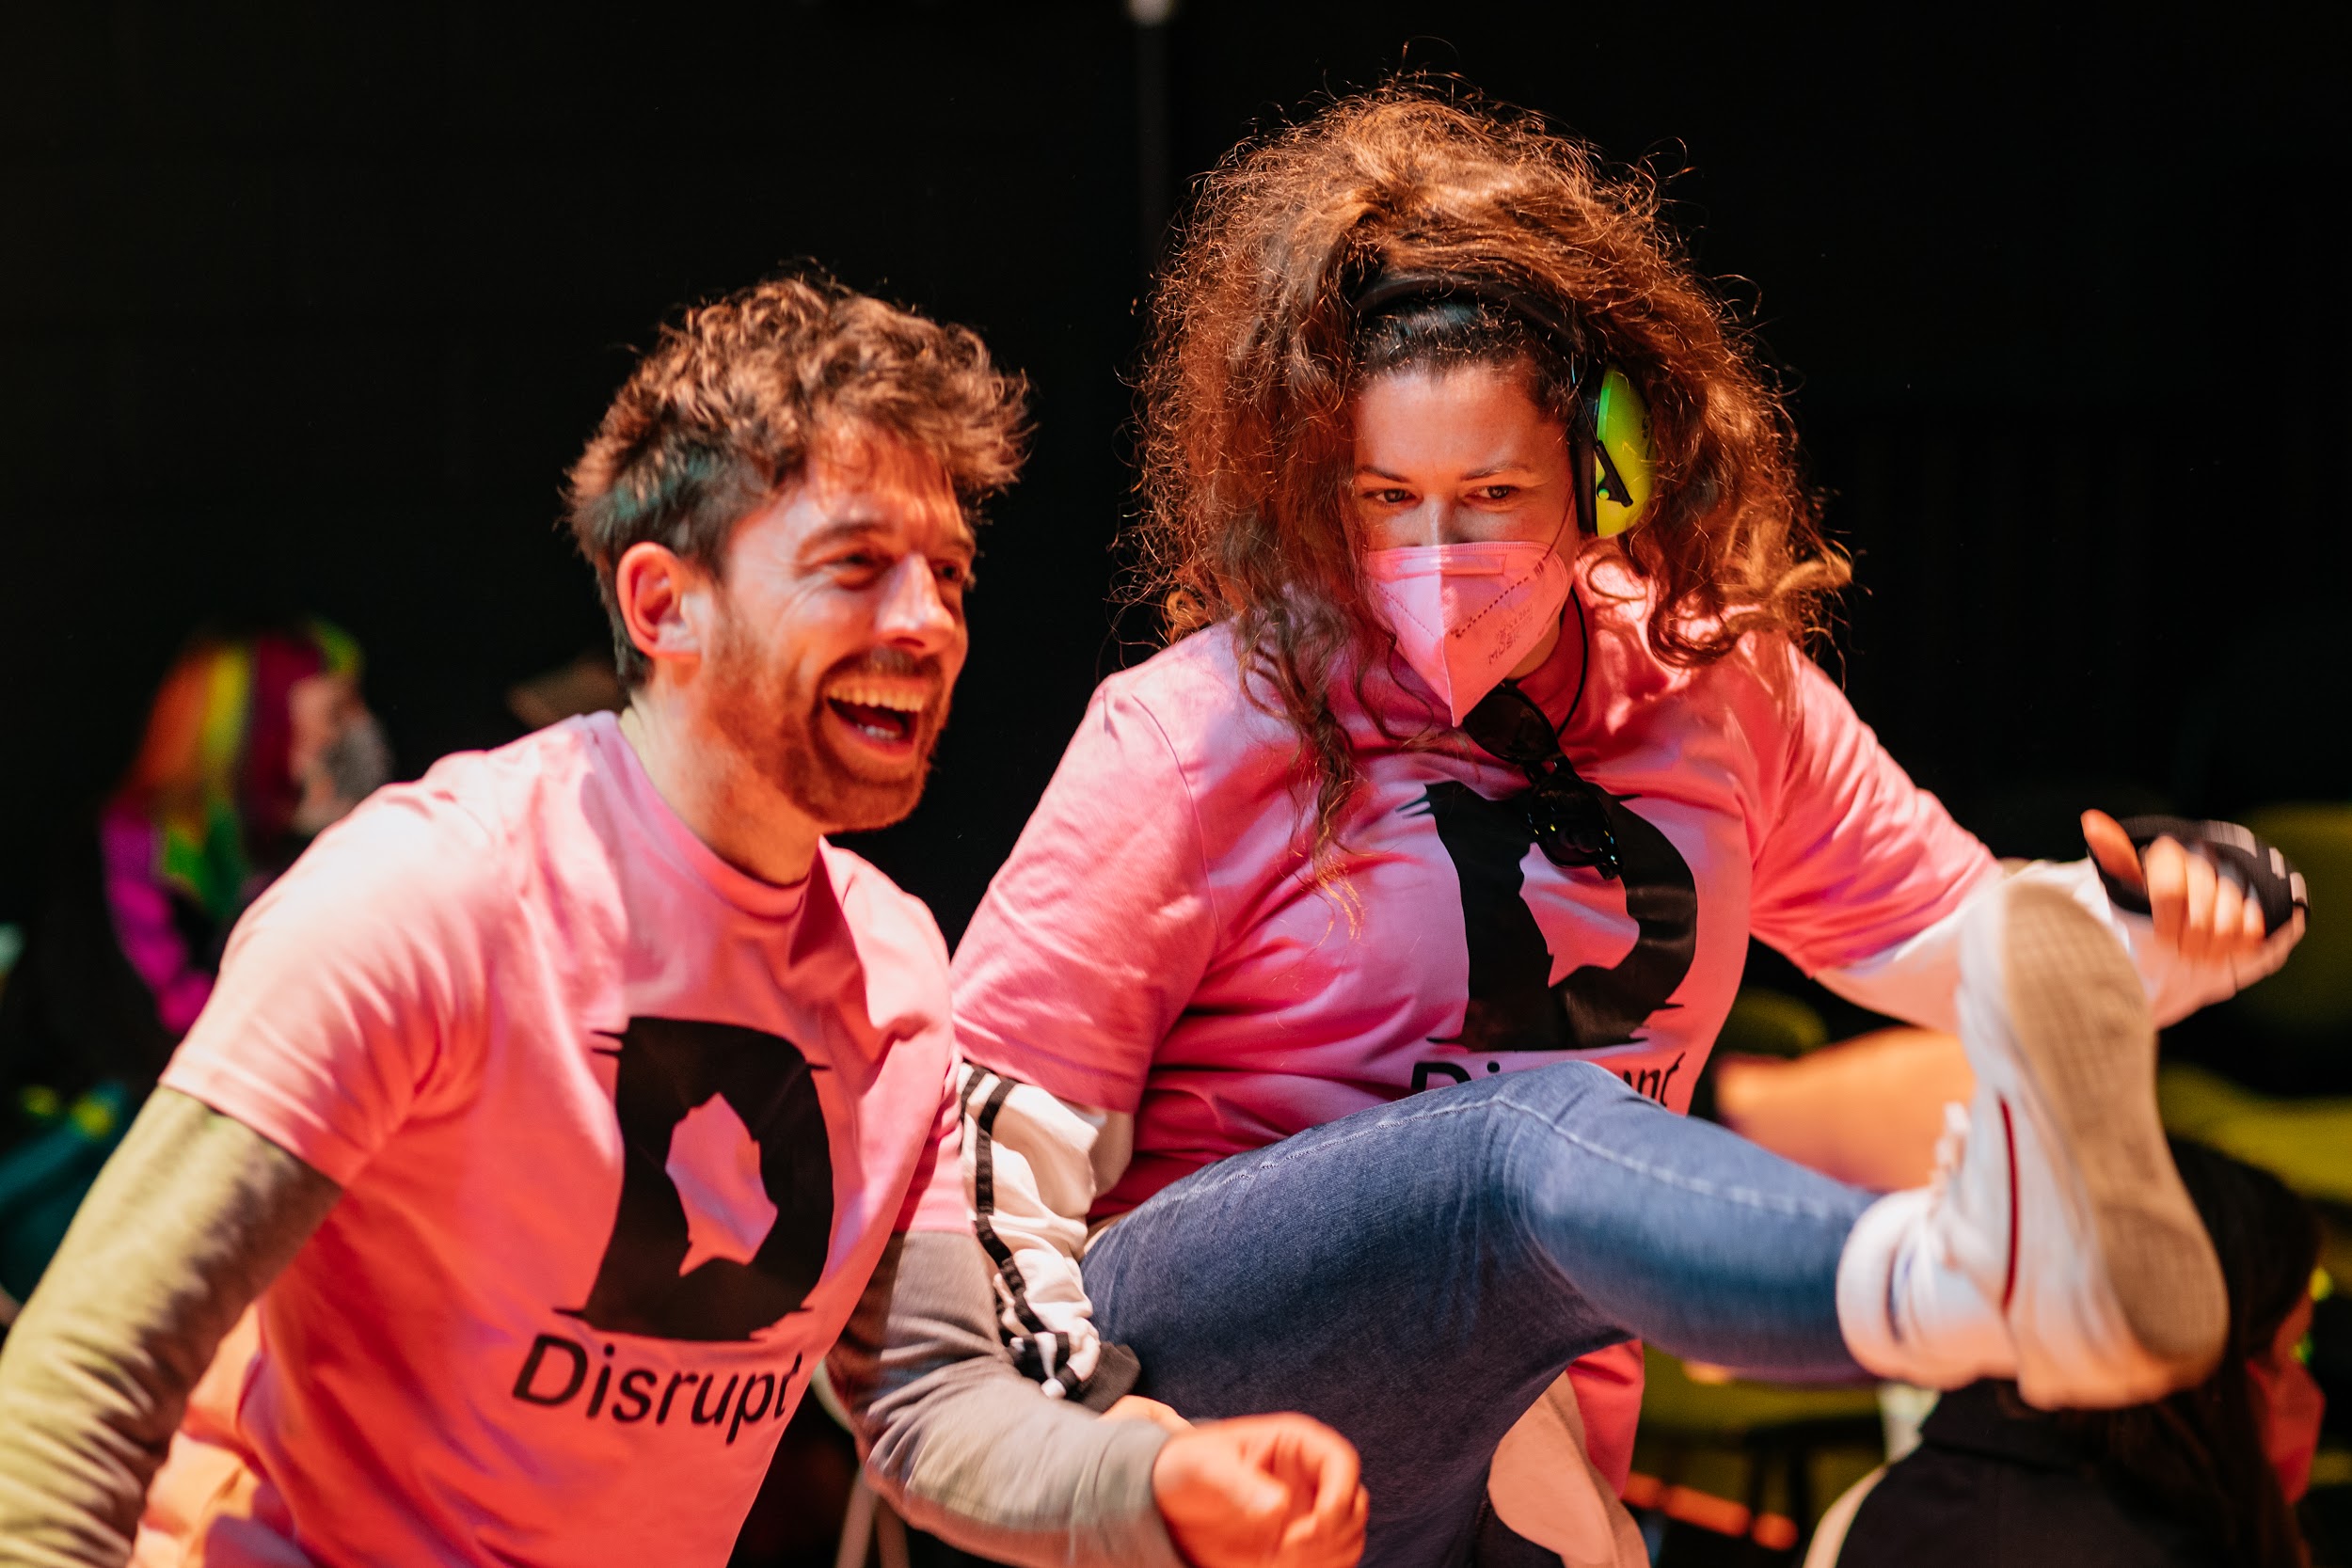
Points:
(2204, 1477)
(255, 741)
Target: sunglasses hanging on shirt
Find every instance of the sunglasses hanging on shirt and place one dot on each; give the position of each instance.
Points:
(1567, 813)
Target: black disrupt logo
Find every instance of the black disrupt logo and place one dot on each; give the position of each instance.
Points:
(726, 1184)
(556, 1370)
(1512, 1005)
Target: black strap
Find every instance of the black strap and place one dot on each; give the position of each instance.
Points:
(2258, 868)
(984, 1200)
(1117, 1373)
(1390, 289)
(1116, 1370)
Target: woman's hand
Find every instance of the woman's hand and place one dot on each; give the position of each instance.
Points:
(2200, 915)
(1259, 1490)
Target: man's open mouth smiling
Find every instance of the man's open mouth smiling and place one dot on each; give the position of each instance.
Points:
(883, 711)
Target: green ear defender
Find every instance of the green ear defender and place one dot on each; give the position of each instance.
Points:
(1624, 466)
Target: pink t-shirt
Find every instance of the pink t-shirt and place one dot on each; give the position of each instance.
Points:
(1152, 945)
(622, 1132)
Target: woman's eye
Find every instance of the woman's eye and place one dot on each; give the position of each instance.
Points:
(954, 572)
(1389, 497)
(1497, 492)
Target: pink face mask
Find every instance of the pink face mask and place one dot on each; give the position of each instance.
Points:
(1465, 615)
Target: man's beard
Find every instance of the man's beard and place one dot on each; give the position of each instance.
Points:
(773, 719)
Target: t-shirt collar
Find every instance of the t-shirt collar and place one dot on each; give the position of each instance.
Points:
(761, 899)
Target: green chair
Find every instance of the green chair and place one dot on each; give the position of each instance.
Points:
(2306, 1144)
(1765, 1022)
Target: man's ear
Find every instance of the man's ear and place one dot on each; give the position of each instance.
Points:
(663, 599)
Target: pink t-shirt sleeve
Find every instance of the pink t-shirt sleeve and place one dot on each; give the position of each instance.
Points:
(1097, 931)
(353, 983)
(1856, 858)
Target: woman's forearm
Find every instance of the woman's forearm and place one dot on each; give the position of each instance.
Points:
(1033, 1163)
(1915, 980)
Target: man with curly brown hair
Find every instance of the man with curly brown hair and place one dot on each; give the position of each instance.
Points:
(558, 1114)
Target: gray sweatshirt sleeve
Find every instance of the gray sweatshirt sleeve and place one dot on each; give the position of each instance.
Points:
(966, 1446)
(193, 1215)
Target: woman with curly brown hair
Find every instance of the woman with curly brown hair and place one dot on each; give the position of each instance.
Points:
(1483, 744)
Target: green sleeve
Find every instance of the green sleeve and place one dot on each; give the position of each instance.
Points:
(193, 1217)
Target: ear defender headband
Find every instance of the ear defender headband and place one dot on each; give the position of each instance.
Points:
(1609, 438)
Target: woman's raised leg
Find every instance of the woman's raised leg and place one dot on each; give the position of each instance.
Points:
(1417, 1274)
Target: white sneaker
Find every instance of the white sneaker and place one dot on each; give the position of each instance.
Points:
(2058, 1245)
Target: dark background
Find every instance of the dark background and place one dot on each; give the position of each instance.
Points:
(309, 306)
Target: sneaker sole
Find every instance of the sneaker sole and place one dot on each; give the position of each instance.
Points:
(2082, 1027)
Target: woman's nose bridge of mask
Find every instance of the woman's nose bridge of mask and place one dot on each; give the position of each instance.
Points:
(1441, 520)
(1445, 517)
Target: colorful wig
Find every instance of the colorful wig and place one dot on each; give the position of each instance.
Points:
(213, 774)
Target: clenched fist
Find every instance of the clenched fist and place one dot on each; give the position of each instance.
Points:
(1261, 1490)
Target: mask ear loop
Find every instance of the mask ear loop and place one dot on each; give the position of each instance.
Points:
(1580, 501)
(1584, 665)
(1576, 602)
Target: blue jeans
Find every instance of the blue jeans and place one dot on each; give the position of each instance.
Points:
(1418, 1273)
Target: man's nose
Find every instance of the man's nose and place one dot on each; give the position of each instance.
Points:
(912, 609)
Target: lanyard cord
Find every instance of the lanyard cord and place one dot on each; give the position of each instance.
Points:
(1559, 763)
(1583, 668)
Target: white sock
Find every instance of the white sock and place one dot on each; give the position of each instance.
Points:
(1909, 1311)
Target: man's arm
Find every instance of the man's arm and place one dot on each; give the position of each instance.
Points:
(966, 1446)
(193, 1217)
